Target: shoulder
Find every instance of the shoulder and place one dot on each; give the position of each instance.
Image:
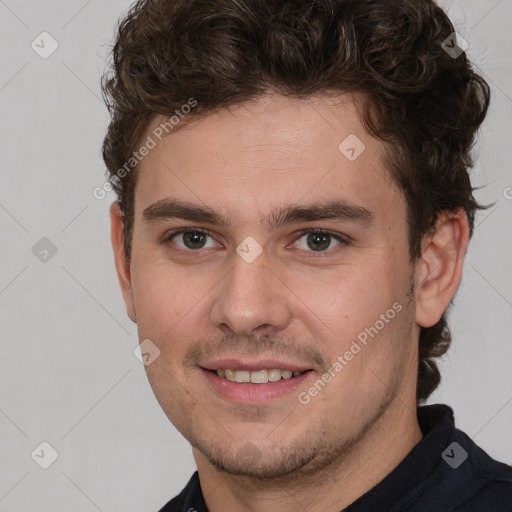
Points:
(495, 495)
(466, 478)
(490, 480)
(177, 504)
(188, 500)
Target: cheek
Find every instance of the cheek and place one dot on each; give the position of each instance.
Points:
(368, 350)
(348, 301)
(166, 301)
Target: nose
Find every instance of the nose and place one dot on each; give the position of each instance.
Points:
(251, 297)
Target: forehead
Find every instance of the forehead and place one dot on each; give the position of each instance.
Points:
(268, 151)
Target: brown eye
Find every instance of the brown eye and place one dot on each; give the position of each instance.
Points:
(191, 239)
(194, 239)
(317, 240)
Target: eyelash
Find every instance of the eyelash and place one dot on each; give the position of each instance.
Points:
(344, 240)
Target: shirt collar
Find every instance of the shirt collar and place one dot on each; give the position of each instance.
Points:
(419, 466)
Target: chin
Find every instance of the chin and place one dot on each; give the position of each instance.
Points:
(268, 461)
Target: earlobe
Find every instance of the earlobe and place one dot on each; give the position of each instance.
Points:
(439, 271)
(122, 265)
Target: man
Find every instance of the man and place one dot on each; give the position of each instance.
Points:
(293, 212)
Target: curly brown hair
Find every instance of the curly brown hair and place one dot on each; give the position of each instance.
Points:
(424, 103)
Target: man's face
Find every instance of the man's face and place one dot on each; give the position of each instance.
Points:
(213, 301)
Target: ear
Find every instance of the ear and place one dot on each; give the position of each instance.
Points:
(439, 271)
(122, 266)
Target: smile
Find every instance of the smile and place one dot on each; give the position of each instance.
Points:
(258, 376)
(251, 386)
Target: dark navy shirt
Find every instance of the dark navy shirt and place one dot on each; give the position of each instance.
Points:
(445, 472)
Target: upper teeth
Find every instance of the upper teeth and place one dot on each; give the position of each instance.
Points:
(258, 376)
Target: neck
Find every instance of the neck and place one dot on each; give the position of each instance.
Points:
(331, 489)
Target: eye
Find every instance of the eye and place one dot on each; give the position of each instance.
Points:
(319, 240)
(192, 239)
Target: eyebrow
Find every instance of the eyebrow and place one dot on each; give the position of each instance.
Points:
(167, 209)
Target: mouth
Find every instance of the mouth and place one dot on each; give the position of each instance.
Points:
(254, 383)
(257, 376)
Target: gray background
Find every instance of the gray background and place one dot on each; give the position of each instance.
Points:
(67, 372)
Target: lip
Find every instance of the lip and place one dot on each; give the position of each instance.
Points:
(248, 393)
(252, 366)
